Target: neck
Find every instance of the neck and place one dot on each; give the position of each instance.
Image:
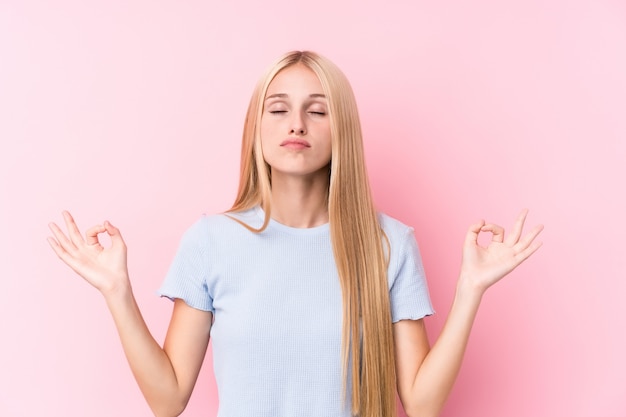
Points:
(300, 202)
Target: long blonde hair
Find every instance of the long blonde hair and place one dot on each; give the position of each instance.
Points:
(356, 234)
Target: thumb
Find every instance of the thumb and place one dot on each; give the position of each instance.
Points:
(114, 233)
(472, 233)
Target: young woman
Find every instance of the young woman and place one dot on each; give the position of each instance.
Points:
(313, 299)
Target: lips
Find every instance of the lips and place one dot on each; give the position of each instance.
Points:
(292, 141)
(295, 143)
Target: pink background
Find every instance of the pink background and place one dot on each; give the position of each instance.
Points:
(133, 112)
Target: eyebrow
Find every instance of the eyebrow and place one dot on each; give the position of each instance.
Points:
(283, 95)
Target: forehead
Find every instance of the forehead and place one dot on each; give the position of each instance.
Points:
(295, 80)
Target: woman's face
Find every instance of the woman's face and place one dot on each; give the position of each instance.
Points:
(295, 126)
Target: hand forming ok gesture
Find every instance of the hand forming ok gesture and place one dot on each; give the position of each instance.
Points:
(484, 266)
(104, 268)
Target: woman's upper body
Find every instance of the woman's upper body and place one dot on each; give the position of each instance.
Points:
(277, 308)
(302, 170)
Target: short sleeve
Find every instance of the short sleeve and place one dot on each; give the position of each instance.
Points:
(408, 293)
(187, 276)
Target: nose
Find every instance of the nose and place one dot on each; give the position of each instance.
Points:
(298, 131)
(297, 125)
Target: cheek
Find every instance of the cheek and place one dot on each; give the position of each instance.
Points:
(267, 130)
(329, 138)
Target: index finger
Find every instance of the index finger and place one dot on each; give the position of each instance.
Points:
(91, 235)
(497, 232)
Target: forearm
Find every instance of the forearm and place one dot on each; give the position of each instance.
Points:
(106, 269)
(436, 375)
(149, 363)
(427, 375)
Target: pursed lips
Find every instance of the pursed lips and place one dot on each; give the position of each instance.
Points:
(295, 143)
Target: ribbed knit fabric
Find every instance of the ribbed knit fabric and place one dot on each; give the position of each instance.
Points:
(276, 301)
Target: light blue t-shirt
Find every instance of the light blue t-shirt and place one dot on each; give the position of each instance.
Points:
(277, 310)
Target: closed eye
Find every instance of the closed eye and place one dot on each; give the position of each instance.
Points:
(319, 113)
(277, 111)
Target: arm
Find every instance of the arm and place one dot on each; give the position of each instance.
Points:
(166, 376)
(425, 375)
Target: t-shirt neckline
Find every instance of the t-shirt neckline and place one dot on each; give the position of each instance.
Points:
(304, 231)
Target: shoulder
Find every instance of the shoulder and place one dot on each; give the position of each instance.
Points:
(400, 242)
(394, 229)
(209, 226)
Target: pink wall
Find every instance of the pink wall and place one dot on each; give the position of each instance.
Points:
(133, 112)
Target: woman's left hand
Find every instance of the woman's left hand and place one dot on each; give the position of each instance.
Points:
(484, 266)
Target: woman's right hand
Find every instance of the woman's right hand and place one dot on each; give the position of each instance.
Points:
(104, 268)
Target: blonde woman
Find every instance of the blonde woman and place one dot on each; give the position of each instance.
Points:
(314, 301)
